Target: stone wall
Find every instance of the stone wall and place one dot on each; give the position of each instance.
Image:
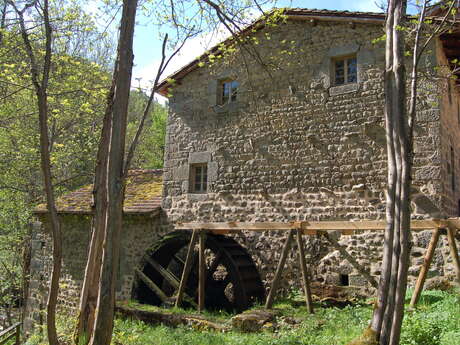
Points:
(139, 234)
(449, 143)
(295, 147)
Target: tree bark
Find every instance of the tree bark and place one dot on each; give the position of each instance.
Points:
(98, 295)
(40, 85)
(388, 315)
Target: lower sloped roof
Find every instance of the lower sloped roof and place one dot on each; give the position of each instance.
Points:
(143, 195)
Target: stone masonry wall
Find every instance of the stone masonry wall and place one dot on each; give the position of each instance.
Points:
(295, 147)
(139, 234)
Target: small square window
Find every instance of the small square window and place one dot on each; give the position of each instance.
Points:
(228, 91)
(345, 70)
(199, 178)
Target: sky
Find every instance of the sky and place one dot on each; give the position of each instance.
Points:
(147, 47)
(147, 44)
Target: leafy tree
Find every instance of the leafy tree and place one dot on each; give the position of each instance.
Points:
(73, 87)
(150, 151)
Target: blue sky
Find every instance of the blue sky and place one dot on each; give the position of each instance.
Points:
(147, 45)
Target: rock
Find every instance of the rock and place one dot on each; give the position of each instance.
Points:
(201, 324)
(438, 283)
(254, 320)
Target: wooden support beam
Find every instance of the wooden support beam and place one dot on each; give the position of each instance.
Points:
(152, 286)
(279, 270)
(313, 227)
(454, 252)
(425, 267)
(170, 278)
(232, 226)
(303, 267)
(187, 268)
(352, 260)
(201, 271)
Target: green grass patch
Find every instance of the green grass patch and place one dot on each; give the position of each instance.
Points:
(436, 321)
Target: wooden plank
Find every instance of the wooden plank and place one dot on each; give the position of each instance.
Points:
(425, 267)
(454, 252)
(170, 278)
(9, 329)
(152, 286)
(11, 332)
(8, 338)
(453, 223)
(368, 225)
(201, 271)
(187, 268)
(256, 226)
(303, 267)
(279, 270)
(343, 225)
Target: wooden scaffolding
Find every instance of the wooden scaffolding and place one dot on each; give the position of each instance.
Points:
(448, 227)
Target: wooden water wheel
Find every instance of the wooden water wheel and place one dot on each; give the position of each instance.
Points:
(232, 279)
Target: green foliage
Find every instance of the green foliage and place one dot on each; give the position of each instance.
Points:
(436, 321)
(150, 151)
(77, 90)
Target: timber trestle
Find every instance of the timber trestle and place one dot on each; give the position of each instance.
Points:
(298, 229)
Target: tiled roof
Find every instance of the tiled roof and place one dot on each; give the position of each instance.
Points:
(142, 195)
(292, 13)
(309, 12)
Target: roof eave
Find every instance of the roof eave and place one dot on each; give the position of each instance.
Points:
(373, 18)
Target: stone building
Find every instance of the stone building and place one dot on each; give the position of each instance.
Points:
(290, 127)
(142, 216)
(287, 127)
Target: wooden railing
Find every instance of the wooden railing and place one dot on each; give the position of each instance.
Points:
(12, 332)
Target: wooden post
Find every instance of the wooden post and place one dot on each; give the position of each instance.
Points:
(425, 267)
(303, 267)
(18, 335)
(454, 251)
(201, 271)
(187, 268)
(279, 269)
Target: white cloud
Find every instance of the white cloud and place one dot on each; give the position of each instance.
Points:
(144, 76)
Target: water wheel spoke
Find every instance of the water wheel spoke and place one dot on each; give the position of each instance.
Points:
(224, 286)
(170, 278)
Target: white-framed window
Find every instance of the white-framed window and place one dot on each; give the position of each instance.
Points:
(198, 178)
(345, 70)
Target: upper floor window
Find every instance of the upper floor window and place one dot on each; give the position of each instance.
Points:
(199, 178)
(228, 91)
(345, 70)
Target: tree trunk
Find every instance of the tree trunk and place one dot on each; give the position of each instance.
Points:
(89, 293)
(40, 85)
(98, 294)
(388, 315)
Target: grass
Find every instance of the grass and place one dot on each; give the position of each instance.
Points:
(435, 322)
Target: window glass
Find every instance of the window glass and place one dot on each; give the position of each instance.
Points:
(351, 70)
(339, 72)
(345, 70)
(198, 178)
(229, 91)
